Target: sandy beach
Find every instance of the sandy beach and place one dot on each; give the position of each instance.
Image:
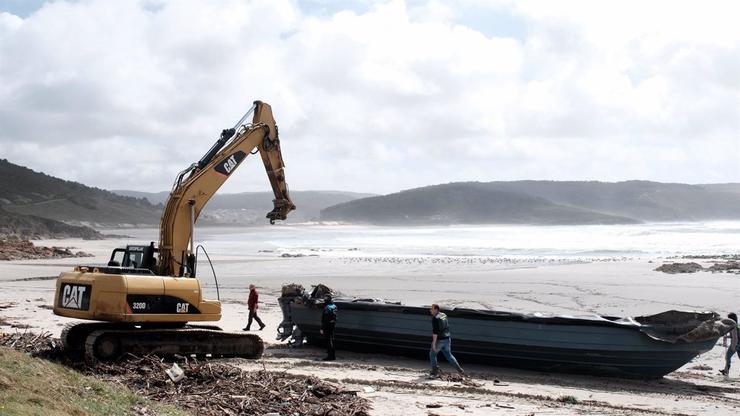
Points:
(617, 285)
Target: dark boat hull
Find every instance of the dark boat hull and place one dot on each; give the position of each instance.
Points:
(599, 347)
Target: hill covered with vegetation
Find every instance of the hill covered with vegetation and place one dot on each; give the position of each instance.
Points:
(463, 203)
(27, 192)
(640, 200)
(544, 202)
(31, 227)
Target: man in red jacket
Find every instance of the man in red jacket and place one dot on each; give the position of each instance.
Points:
(252, 304)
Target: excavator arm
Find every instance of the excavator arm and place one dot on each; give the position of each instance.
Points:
(196, 185)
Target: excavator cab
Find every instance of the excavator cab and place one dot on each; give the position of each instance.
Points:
(135, 257)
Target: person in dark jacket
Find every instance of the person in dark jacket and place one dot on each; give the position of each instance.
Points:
(732, 349)
(328, 322)
(441, 340)
(252, 304)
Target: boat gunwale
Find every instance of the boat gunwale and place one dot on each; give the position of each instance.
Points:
(493, 315)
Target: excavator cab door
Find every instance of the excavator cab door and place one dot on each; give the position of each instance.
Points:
(134, 257)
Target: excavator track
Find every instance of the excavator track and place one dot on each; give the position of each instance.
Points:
(75, 334)
(108, 344)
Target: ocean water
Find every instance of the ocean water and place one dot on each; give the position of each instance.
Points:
(516, 241)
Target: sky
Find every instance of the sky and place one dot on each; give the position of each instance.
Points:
(374, 96)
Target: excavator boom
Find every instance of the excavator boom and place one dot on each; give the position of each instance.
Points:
(196, 185)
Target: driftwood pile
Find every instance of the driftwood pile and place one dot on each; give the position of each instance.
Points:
(208, 387)
(38, 345)
(211, 388)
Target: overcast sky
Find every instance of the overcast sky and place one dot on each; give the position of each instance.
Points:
(374, 96)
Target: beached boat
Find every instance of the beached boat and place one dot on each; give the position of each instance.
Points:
(643, 347)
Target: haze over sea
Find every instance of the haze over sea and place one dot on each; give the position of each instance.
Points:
(519, 241)
(552, 269)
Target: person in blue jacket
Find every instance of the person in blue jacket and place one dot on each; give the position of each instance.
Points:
(328, 322)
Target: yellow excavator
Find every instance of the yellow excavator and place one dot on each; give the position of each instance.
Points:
(145, 296)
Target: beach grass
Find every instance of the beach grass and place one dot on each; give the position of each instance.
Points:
(33, 386)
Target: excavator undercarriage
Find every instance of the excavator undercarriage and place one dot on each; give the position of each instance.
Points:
(141, 313)
(109, 341)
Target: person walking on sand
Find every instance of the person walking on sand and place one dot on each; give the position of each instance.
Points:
(252, 304)
(328, 323)
(732, 348)
(441, 340)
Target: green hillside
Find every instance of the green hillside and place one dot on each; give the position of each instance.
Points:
(26, 192)
(642, 200)
(463, 203)
(31, 227)
(544, 202)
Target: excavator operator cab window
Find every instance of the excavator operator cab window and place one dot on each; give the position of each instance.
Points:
(116, 258)
(135, 257)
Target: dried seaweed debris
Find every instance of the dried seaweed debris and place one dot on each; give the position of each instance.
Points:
(209, 388)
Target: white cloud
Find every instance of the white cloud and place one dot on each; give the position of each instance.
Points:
(387, 96)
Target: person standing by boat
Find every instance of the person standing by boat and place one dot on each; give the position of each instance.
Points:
(441, 340)
(328, 323)
(252, 304)
(732, 348)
